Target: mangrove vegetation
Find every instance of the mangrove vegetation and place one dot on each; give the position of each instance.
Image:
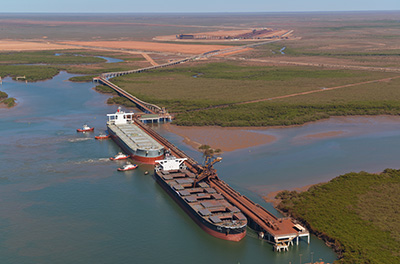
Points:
(357, 214)
(221, 94)
(5, 100)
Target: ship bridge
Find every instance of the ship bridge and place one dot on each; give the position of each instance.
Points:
(120, 117)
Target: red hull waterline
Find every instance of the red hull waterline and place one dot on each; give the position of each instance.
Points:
(98, 137)
(229, 237)
(147, 160)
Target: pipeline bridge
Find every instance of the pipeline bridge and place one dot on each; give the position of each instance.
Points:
(207, 54)
(161, 114)
(109, 75)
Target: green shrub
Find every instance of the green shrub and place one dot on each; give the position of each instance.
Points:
(10, 102)
(3, 95)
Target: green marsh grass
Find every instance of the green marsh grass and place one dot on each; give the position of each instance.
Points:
(214, 84)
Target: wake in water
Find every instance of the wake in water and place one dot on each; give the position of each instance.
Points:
(88, 161)
(73, 140)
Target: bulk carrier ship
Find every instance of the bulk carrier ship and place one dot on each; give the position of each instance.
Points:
(133, 140)
(209, 209)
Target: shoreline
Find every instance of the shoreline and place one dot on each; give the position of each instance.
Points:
(12, 102)
(222, 137)
(270, 197)
(4, 106)
(329, 242)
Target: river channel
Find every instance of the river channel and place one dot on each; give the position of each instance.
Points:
(63, 201)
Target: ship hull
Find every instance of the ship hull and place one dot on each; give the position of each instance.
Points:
(139, 155)
(220, 232)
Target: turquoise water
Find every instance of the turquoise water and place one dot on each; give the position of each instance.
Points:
(63, 201)
(108, 59)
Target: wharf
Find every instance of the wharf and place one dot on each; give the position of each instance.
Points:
(154, 118)
(278, 231)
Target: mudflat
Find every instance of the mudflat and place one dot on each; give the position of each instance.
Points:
(226, 139)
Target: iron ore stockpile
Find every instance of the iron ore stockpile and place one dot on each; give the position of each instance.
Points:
(210, 202)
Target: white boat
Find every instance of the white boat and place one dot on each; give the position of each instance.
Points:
(128, 166)
(85, 128)
(119, 156)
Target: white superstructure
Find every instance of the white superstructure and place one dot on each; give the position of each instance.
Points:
(120, 117)
(170, 164)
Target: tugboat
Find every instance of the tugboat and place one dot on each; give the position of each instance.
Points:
(102, 136)
(119, 156)
(85, 128)
(128, 166)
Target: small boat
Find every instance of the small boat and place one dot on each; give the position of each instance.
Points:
(102, 136)
(119, 156)
(85, 128)
(128, 166)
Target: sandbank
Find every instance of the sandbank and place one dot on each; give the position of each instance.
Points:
(323, 135)
(226, 139)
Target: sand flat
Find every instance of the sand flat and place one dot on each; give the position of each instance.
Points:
(149, 46)
(14, 45)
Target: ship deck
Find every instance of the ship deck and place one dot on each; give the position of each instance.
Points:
(134, 137)
(204, 199)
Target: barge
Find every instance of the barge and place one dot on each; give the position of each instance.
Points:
(209, 209)
(133, 140)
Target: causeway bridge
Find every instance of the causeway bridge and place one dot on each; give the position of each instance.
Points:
(109, 75)
(158, 114)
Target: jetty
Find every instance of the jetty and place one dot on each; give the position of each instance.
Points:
(280, 232)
